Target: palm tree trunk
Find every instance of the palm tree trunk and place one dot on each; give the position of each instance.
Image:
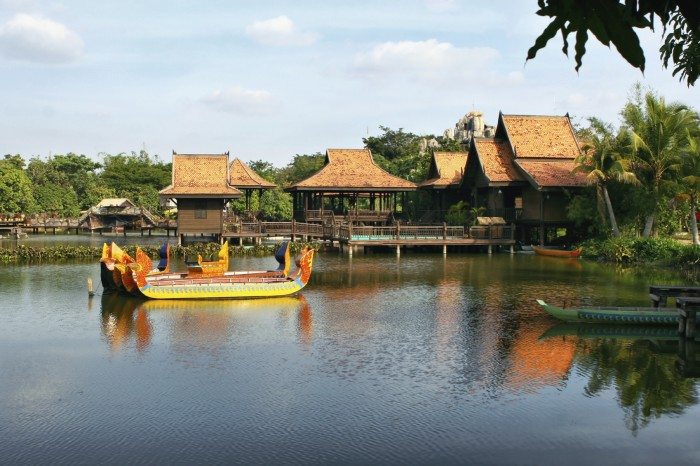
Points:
(611, 213)
(693, 221)
(648, 225)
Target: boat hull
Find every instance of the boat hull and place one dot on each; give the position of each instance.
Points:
(557, 253)
(614, 315)
(221, 289)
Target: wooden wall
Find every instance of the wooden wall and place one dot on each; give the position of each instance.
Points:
(555, 203)
(188, 223)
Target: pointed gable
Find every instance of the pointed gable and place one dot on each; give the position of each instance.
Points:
(496, 160)
(446, 169)
(352, 170)
(541, 136)
(200, 175)
(241, 176)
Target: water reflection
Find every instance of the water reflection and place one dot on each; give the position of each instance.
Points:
(637, 363)
(193, 323)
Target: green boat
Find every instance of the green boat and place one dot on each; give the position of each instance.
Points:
(614, 315)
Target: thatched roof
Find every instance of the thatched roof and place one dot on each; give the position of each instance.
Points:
(541, 136)
(352, 170)
(201, 176)
(241, 176)
(496, 159)
(446, 169)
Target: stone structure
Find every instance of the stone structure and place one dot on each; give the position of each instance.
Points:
(470, 125)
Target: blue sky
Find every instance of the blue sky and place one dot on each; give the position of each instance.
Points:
(267, 80)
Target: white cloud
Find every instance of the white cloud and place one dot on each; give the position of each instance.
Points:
(279, 31)
(434, 62)
(32, 38)
(240, 101)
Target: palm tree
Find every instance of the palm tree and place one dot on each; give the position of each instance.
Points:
(659, 134)
(602, 162)
(691, 181)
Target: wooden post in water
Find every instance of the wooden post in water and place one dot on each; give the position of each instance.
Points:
(91, 291)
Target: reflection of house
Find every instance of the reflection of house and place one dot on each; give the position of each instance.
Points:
(112, 214)
(200, 187)
(243, 178)
(350, 183)
(524, 174)
(444, 178)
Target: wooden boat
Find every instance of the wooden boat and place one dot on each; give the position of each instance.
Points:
(614, 315)
(229, 285)
(557, 252)
(217, 267)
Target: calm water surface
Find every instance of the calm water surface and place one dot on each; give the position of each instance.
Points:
(418, 359)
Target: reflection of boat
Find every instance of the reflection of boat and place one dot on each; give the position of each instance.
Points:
(557, 252)
(229, 285)
(614, 315)
(219, 305)
(611, 331)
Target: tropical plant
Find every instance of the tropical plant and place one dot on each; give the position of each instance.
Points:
(602, 163)
(616, 21)
(691, 182)
(659, 135)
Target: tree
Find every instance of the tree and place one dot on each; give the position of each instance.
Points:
(616, 21)
(15, 189)
(602, 163)
(302, 166)
(659, 135)
(691, 181)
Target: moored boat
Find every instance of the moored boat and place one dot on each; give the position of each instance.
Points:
(557, 252)
(243, 284)
(613, 315)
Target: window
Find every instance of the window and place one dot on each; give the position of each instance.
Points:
(200, 208)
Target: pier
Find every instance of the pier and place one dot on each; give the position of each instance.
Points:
(397, 236)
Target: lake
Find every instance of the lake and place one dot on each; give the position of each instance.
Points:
(383, 359)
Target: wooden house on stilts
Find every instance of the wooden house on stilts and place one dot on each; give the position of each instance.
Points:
(444, 179)
(244, 178)
(525, 173)
(200, 188)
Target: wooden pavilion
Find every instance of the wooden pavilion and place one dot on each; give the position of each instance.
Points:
(244, 178)
(116, 214)
(525, 172)
(444, 178)
(350, 186)
(200, 188)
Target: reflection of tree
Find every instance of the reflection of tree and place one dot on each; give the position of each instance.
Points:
(646, 382)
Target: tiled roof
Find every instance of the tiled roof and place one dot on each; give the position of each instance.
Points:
(446, 169)
(497, 160)
(242, 176)
(549, 173)
(541, 136)
(352, 170)
(204, 175)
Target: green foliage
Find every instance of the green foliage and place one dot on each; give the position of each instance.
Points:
(58, 253)
(276, 205)
(614, 22)
(582, 210)
(137, 177)
(630, 249)
(15, 189)
(55, 199)
(458, 214)
(301, 167)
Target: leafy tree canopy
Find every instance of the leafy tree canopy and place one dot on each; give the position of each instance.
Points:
(15, 189)
(615, 22)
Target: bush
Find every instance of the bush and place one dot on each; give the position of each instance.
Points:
(630, 249)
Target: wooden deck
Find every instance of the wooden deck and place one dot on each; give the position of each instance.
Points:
(377, 236)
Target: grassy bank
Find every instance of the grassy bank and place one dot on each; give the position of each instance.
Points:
(58, 253)
(634, 250)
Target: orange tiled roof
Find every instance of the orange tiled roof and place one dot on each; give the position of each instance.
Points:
(548, 173)
(352, 170)
(496, 159)
(446, 169)
(242, 176)
(541, 136)
(200, 175)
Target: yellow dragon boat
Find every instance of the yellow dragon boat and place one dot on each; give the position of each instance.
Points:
(241, 285)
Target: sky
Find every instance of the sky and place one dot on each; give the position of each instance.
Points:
(268, 80)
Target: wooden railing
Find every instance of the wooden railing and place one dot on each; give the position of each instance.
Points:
(275, 228)
(416, 232)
